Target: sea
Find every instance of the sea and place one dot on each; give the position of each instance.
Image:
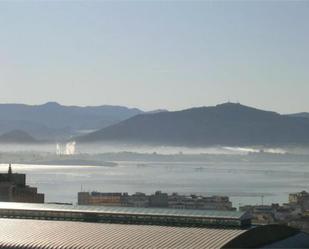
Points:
(244, 182)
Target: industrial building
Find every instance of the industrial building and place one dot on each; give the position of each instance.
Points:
(57, 226)
(13, 188)
(128, 215)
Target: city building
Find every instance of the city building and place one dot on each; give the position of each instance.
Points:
(158, 199)
(300, 199)
(96, 198)
(199, 202)
(136, 200)
(295, 213)
(13, 188)
(261, 214)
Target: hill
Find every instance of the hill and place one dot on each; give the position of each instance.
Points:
(17, 137)
(226, 124)
(301, 115)
(54, 121)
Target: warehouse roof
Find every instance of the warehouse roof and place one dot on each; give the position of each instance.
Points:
(35, 234)
(125, 210)
(15, 233)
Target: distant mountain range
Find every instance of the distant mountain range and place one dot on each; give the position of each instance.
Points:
(54, 121)
(300, 114)
(17, 137)
(227, 124)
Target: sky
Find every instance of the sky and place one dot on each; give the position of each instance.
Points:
(156, 54)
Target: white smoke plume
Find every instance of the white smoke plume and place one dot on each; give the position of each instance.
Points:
(70, 148)
(67, 149)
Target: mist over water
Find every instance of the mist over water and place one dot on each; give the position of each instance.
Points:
(71, 148)
(244, 182)
(166, 150)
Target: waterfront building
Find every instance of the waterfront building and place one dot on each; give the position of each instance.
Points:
(199, 202)
(261, 214)
(301, 199)
(136, 200)
(295, 213)
(158, 199)
(97, 198)
(13, 188)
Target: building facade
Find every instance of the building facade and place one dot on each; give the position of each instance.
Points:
(199, 202)
(301, 199)
(13, 188)
(97, 198)
(158, 199)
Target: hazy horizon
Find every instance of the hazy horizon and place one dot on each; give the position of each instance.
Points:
(144, 110)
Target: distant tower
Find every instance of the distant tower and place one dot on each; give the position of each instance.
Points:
(10, 170)
(10, 173)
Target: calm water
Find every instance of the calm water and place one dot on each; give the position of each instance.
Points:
(245, 183)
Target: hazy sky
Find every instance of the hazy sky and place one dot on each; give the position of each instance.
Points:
(156, 54)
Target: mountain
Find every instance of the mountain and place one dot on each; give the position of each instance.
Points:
(18, 137)
(157, 111)
(53, 121)
(35, 129)
(301, 115)
(226, 124)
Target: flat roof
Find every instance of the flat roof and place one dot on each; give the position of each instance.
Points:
(125, 210)
(20, 233)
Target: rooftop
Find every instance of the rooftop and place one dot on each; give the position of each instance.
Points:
(15, 233)
(125, 210)
(65, 234)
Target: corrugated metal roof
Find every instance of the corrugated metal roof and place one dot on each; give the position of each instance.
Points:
(18, 233)
(124, 210)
